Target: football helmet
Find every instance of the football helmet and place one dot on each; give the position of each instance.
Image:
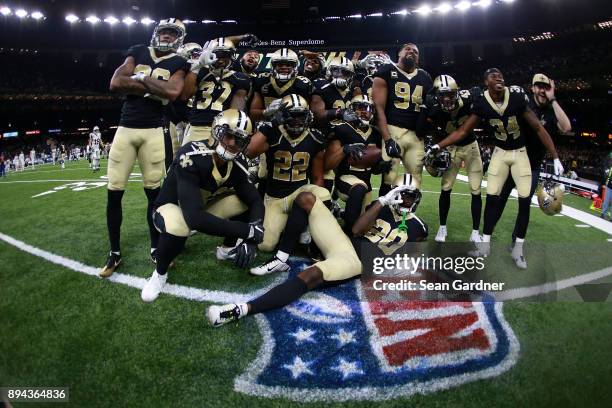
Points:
(363, 106)
(284, 55)
(231, 125)
(225, 50)
(297, 116)
(373, 61)
(550, 197)
(437, 163)
(410, 197)
(173, 24)
(446, 91)
(340, 72)
(96, 129)
(190, 51)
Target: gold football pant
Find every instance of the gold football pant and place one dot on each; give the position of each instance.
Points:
(226, 207)
(413, 150)
(197, 134)
(470, 154)
(341, 261)
(145, 144)
(515, 162)
(277, 212)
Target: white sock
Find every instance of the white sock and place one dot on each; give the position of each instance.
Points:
(153, 249)
(244, 309)
(520, 240)
(442, 227)
(116, 253)
(283, 256)
(486, 238)
(475, 231)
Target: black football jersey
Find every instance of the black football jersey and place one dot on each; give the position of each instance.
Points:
(176, 111)
(333, 97)
(505, 121)
(270, 90)
(366, 85)
(147, 112)
(546, 116)
(405, 94)
(289, 161)
(347, 134)
(444, 123)
(213, 96)
(196, 158)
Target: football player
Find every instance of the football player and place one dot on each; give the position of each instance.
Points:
(313, 67)
(550, 114)
(398, 92)
(349, 140)
(95, 144)
(341, 261)
(150, 77)
(446, 108)
(505, 110)
(33, 158)
(214, 88)
(248, 63)
(62, 150)
(206, 186)
(294, 158)
(370, 64)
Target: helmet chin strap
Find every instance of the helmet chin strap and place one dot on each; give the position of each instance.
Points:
(223, 153)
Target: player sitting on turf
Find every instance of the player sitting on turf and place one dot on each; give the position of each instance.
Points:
(207, 185)
(379, 224)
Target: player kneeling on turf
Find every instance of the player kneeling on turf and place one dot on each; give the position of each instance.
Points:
(205, 187)
(341, 262)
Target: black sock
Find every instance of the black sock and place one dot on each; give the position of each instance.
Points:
(384, 189)
(522, 219)
(153, 232)
(328, 184)
(261, 187)
(354, 204)
(444, 205)
(476, 208)
(168, 145)
(503, 197)
(296, 224)
(114, 217)
(169, 246)
(279, 296)
(490, 214)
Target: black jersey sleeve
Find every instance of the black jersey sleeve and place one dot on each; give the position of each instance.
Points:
(242, 81)
(248, 194)
(383, 72)
(134, 50)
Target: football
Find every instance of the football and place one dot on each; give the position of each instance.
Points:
(370, 157)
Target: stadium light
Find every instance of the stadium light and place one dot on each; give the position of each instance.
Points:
(111, 20)
(128, 21)
(354, 16)
(482, 3)
(507, 1)
(332, 18)
(463, 5)
(424, 10)
(400, 12)
(229, 21)
(71, 18)
(444, 8)
(93, 19)
(21, 13)
(37, 15)
(146, 21)
(188, 21)
(209, 22)
(374, 15)
(5, 11)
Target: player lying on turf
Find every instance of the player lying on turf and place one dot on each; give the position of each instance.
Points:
(379, 225)
(206, 186)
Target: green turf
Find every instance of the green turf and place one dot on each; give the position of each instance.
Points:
(61, 328)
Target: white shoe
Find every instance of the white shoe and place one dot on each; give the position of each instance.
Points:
(273, 265)
(305, 237)
(475, 237)
(223, 253)
(219, 315)
(441, 235)
(153, 287)
(518, 257)
(483, 249)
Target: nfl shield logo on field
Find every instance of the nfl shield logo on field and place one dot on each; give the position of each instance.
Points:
(334, 345)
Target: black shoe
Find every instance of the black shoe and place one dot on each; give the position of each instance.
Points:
(112, 263)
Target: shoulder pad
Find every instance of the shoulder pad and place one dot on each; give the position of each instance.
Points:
(336, 122)
(317, 135)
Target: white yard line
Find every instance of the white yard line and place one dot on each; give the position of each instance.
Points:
(58, 180)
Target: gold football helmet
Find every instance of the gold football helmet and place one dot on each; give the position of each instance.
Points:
(225, 50)
(172, 24)
(411, 197)
(446, 91)
(550, 197)
(297, 114)
(438, 163)
(340, 72)
(190, 51)
(287, 56)
(363, 106)
(232, 130)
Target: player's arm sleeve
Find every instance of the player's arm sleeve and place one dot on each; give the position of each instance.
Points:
(422, 123)
(249, 195)
(196, 217)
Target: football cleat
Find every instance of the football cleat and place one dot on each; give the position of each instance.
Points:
(153, 287)
(475, 237)
(225, 253)
(273, 265)
(518, 257)
(441, 235)
(112, 263)
(483, 249)
(219, 315)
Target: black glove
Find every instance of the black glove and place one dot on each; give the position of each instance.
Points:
(349, 115)
(354, 150)
(245, 253)
(250, 39)
(281, 117)
(392, 149)
(382, 167)
(256, 232)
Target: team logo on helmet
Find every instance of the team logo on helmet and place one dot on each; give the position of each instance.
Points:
(168, 24)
